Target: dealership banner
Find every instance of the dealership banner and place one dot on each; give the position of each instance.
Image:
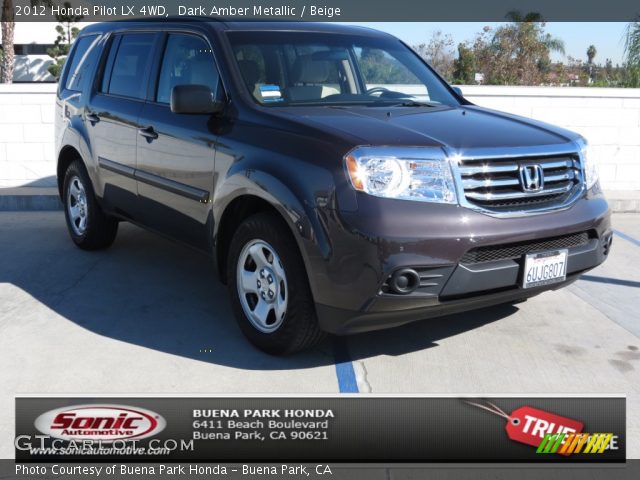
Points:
(325, 10)
(321, 429)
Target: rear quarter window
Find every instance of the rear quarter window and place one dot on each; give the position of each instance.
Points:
(82, 62)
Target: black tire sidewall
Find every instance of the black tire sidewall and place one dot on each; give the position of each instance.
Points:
(76, 170)
(300, 313)
(101, 229)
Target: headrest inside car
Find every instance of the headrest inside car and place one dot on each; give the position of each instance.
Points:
(250, 71)
(308, 70)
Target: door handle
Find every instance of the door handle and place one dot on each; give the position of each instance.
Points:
(149, 133)
(93, 117)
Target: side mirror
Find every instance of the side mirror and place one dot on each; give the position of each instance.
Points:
(194, 99)
(458, 91)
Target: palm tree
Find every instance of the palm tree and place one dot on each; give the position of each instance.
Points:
(517, 16)
(591, 53)
(521, 50)
(8, 28)
(536, 22)
(632, 43)
(632, 52)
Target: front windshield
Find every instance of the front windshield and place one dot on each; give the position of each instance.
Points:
(306, 68)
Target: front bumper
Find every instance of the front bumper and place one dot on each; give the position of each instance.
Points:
(384, 236)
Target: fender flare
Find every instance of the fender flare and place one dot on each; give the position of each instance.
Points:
(300, 214)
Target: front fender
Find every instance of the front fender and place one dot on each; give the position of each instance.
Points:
(301, 207)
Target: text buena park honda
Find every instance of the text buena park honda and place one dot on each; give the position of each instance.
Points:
(162, 469)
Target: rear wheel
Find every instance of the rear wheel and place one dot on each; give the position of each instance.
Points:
(90, 228)
(269, 289)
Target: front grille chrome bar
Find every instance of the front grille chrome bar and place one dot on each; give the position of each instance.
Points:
(487, 197)
(493, 181)
(471, 184)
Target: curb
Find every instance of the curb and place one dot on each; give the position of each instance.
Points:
(40, 199)
(29, 199)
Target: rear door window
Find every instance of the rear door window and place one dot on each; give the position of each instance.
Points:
(127, 65)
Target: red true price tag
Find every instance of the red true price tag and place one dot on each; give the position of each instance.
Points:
(529, 425)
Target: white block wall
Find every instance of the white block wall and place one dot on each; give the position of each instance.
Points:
(26, 135)
(609, 118)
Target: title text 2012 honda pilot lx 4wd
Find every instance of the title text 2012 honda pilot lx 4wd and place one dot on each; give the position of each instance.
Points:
(338, 182)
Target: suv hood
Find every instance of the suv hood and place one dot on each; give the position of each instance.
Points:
(459, 128)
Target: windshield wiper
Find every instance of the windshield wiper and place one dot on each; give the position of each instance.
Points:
(416, 103)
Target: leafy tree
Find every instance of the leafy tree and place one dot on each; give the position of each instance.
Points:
(464, 67)
(67, 33)
(439, 53)
(8, 26)
(632, 53)
(608, 67)
(517, 53)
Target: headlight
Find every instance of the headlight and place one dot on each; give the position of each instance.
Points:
(421, 174)
(589, 169)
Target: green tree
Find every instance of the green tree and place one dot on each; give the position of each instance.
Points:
(67, 33)
(632, 53)
(517, 53)
(439, 53)
(464, 67)
(608, 67)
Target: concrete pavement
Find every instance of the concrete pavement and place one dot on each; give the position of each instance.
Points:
(148, 316)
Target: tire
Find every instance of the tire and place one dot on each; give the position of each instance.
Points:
(271, 299)
(89, 227)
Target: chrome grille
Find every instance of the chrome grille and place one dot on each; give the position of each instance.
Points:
(497, 183)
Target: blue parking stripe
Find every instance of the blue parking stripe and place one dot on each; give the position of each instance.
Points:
(346, 378)
(628, 238)
(347, 382)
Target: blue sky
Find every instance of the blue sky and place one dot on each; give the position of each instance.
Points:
(607, 37)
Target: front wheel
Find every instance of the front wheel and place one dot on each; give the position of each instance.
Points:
(269, 289)
(90, 228)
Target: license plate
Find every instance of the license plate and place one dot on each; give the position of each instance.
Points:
(544, 268)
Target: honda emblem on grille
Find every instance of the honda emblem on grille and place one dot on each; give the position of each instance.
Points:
(531, 177)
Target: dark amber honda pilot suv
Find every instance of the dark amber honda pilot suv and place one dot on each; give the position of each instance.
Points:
(338, 182)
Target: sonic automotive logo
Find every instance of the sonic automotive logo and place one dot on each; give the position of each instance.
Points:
(104, 423)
